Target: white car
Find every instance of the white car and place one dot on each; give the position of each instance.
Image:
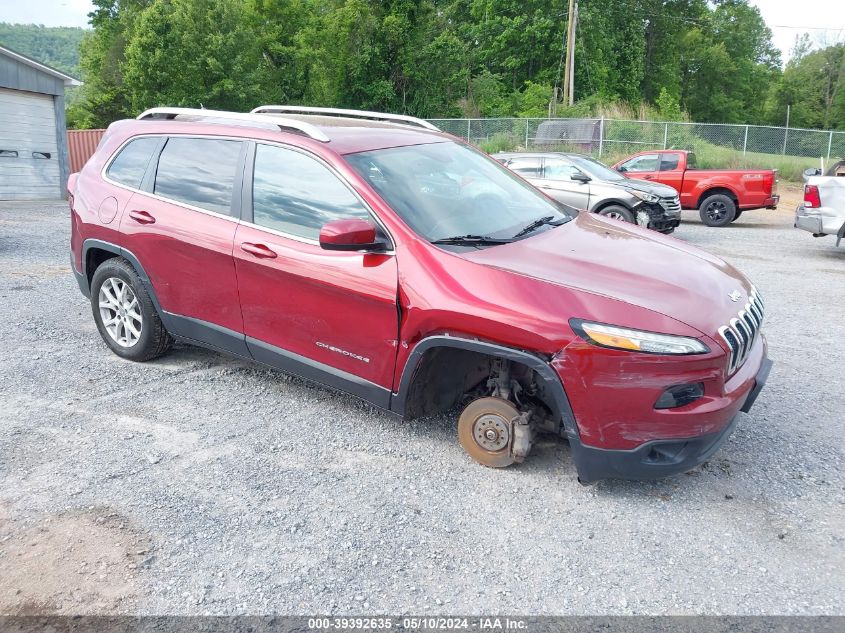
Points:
(823, 209)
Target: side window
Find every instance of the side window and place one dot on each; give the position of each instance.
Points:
(669, 162)
(295, 194)
(558, 169)
(528, 167)
(131, 163)
(199, 172)
(647, 162)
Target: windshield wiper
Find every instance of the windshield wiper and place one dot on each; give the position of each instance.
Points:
(470, 240)
(536, 224)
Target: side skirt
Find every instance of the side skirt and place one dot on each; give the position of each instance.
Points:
(220, 339)
(319, 373)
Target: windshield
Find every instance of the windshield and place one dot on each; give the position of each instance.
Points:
(595, 169)
(448, 190)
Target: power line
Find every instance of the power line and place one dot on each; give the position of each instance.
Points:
(806, 28)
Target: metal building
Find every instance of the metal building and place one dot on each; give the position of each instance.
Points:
(33, 146)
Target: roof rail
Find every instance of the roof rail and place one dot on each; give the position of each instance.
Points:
(224, 116)
(360, 114)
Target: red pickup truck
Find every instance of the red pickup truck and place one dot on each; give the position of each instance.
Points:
(720, 195)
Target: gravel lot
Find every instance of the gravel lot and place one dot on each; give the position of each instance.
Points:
(200, 484)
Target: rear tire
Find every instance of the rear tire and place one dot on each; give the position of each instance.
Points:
(124, 313)
(617, 212)
(717, 210)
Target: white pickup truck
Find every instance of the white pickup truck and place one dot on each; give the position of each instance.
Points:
(823, 209)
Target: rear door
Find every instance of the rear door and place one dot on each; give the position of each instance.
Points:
(180, 225)
(331, 316)
(557, 182)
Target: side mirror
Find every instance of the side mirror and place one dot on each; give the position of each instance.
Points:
(354, 234)
(622, 169)
(580, 176)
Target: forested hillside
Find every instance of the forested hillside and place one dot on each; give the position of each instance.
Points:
(709, 61)
(55, 46)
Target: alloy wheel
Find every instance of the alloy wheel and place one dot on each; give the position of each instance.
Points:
(717, 210)
(120, 312)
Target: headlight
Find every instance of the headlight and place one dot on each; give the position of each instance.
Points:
(646, 197)
(636, 340)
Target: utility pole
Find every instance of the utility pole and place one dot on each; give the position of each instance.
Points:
(786, 131)
(572, 62)
(570, 53)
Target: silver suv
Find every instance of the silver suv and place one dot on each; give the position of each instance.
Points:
(584, 183)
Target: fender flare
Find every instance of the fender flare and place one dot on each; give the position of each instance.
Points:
(88, 244)
(708, 191)
(612, 201)
(552, 384)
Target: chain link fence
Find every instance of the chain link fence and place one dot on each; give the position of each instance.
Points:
(615, 138)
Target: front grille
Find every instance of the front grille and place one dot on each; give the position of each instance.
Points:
(671, 204)
(742, 331)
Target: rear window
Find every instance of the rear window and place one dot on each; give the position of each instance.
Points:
(199, 172)
(131, 163)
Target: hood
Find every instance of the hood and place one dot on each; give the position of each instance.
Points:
(624, 262)
(629, 184)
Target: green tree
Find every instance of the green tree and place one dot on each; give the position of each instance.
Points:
(193, 53)
(727, 63)
(813, 85)
(55, 46)
(103, 98)
(436, 58)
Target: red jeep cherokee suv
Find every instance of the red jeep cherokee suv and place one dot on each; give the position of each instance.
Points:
(373, 254)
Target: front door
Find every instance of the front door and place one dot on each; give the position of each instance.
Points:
(557, 182)
(331, 316)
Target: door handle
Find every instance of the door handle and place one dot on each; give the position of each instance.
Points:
(142, 217)
(648, 177)
(258, 250)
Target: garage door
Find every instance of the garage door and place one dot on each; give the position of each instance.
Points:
(29, 157)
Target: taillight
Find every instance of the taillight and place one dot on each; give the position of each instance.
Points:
(811, 197)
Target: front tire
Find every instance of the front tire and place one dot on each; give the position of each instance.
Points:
(125, 316)
(717, 210)
(618, 212)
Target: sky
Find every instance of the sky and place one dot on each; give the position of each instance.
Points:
(823, 19)
(788, 18)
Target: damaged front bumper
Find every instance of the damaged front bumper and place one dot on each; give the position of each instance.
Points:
(658, 218)
(659, 458)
